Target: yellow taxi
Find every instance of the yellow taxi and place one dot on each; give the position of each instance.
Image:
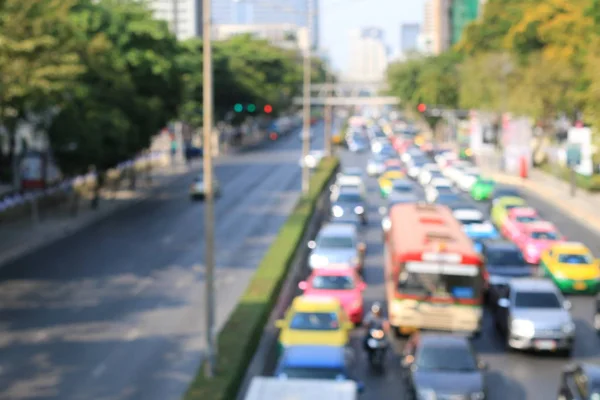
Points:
(386, 181)
(314, 320)
(572, 267)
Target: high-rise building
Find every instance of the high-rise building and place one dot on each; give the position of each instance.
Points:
(256, 12)
(183, 16)
(369, 59)
(435, 35)
(462, 13)
(409, 35)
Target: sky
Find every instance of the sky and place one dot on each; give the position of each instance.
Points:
(340, 17)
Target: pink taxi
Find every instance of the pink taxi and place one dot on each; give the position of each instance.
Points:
(342, 283)
(517, 218)
(535, 237)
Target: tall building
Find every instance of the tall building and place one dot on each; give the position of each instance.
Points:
(369, 58)
(258, 12)
(183, 16)
(409, 35)
(435, 35)
(462, 13)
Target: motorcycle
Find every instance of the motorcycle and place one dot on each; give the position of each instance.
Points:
(377, 345)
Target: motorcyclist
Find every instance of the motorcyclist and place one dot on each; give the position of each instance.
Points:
(374, 319)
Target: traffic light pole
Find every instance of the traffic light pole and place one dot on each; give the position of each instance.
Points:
(209, 207)
(306, 101)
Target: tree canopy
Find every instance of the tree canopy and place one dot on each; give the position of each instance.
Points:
(107, 76)
(529, 57)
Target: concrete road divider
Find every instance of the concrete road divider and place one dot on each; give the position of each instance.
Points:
(241, 334)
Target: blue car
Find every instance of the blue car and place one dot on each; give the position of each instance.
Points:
(475, 225)
(314, 362)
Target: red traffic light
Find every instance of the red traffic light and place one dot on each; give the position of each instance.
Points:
(422, 108)
(268, 109)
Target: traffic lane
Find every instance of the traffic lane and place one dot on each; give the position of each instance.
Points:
(538, 374)
(391, 383)
(111, 310)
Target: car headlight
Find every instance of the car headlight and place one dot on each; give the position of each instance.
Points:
(386, 224)
(359, 210)
(523, 327)
(559, 275)
(426, 394)
(317, 261)
(568, 328)
(477, 396)
(337, 211)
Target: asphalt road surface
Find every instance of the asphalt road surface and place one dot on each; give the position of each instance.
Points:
(117, 310)
(513, 376)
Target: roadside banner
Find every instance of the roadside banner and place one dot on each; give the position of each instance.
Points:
(517, 134)
(581, 138)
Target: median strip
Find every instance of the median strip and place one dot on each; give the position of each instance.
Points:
(239, 338)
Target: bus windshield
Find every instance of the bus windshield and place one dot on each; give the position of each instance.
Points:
(452, 283)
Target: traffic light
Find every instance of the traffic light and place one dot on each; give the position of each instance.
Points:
(251, 108)
(238, 108)
(268, 109)
(422, 108)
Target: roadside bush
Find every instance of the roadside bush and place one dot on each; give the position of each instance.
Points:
(589, 183)
(239, 338)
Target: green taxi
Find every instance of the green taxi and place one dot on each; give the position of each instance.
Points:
(483, 189)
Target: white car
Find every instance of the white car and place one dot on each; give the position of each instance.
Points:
(348, 182)
(198, 188)
(436, 187)
(426, 175)
(467, 180)
(312, 159)
(455, 170)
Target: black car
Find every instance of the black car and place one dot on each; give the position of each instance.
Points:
(443, 366)
(580, 381)
(503, 260)
(349, 201)
(402, 186)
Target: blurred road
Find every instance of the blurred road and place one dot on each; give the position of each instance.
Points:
(513, 376)
(117, 311)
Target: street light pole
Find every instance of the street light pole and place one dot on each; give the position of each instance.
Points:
(328, 112)
(209, 207)
(306, 100)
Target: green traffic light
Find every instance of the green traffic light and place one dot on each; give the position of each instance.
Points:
(238, 108)
(251, 108)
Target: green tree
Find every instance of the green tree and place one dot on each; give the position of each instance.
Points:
(439, 80)
(38, 64)
(131, 89)
(403, 79)
(486, 81)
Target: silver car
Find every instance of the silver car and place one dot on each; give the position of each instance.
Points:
(198, 188)
(337, 244)
(534, 315)
(375, 166)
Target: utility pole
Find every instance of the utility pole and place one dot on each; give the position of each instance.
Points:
(306, 102)
(328, 112)
(209, 207)
(176, 17)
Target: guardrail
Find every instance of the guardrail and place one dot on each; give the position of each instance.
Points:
(17, 200)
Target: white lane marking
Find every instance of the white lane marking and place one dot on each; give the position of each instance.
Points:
(40, 336)
(140, 287)
(132, 334)
(99, 370)
(181, 283)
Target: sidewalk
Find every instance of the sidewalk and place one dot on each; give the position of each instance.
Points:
(583, 207)
(20, 237)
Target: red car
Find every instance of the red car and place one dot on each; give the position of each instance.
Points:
(342, 283)
(537, 237)
(518, 217)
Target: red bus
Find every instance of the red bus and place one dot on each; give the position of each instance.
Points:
(433, 277)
